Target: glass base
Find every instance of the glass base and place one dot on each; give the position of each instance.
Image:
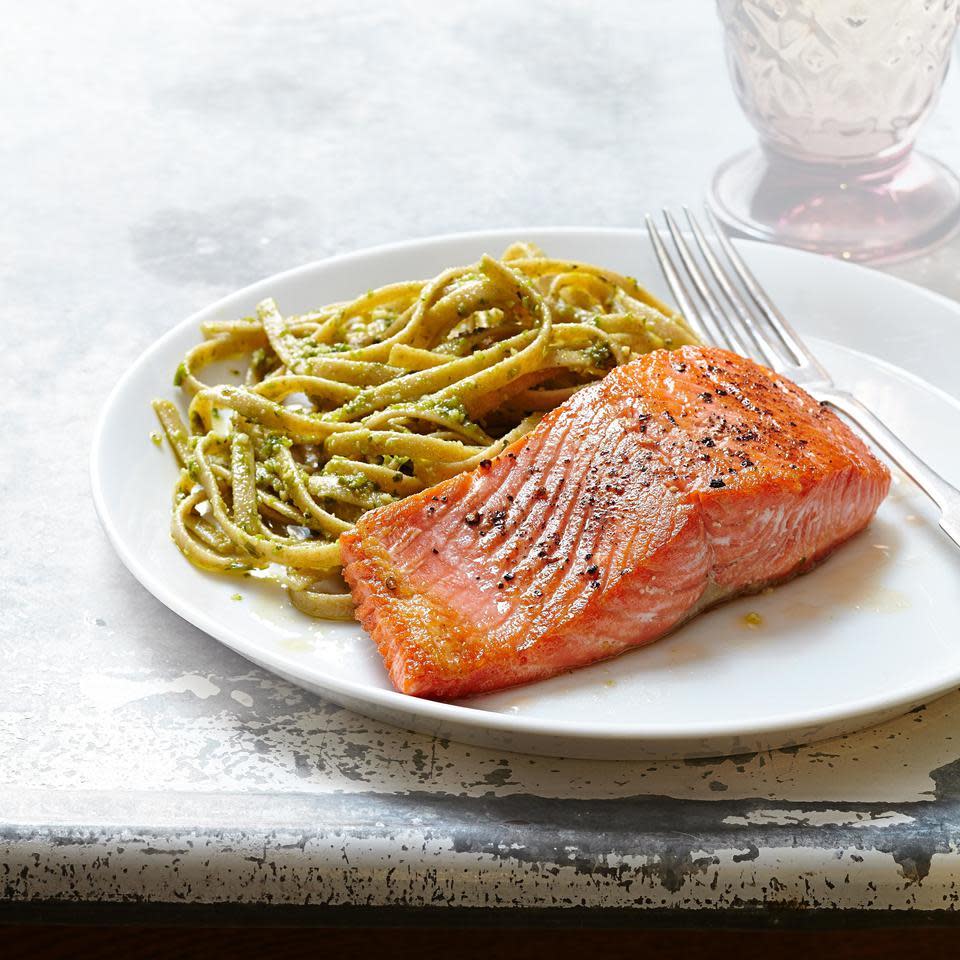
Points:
(864, 214)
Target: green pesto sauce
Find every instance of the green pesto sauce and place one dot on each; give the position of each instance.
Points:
(356, 482)
(599, 354)
(450, 408)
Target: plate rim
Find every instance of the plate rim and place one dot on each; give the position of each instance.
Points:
(458, 713)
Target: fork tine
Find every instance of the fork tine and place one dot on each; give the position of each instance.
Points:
(760, 297)
(680, 293)
(772, 356)
(703, 288)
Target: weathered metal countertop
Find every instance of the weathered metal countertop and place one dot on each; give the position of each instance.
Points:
(158, 156)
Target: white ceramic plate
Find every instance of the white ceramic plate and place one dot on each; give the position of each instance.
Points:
(872, 632)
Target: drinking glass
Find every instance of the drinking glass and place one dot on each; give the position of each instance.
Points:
(837, 91)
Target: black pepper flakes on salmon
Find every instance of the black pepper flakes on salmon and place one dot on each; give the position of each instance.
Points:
(661, 528)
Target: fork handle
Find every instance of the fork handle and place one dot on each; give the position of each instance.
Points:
(943, 494)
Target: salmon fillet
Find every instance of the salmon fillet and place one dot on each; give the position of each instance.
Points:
(681, 479)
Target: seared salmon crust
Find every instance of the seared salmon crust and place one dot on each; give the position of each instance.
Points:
(682, 479)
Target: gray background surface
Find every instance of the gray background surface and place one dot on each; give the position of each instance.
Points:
(157, 156)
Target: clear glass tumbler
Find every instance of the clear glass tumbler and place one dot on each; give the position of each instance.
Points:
(837, 90)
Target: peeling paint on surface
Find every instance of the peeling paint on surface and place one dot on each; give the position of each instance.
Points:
(110, 693)
(288, 740)
(818, 818)
(512, 848)
(517, 850)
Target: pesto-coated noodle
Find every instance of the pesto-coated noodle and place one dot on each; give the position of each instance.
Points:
(362, 403)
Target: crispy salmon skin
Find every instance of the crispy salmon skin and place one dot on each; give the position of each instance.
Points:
(680, 480)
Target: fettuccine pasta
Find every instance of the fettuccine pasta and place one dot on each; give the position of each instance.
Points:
(357, 404)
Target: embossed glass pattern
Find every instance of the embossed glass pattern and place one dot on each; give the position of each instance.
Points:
(837, 90)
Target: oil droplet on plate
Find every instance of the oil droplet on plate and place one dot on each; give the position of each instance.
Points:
(883, 600)
(297, 644)
(679, 654)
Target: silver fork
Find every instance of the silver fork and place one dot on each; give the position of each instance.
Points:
(747, 322)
